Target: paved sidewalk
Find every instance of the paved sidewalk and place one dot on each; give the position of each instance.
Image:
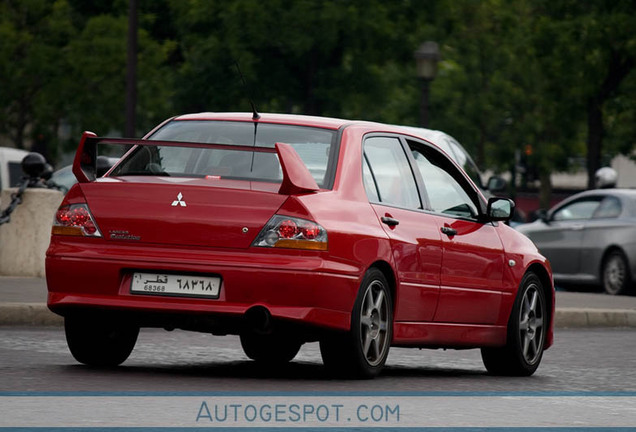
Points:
(23, 302)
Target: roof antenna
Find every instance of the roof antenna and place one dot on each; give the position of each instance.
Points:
(255, 114)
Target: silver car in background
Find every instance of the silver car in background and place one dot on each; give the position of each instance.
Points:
(590, 239)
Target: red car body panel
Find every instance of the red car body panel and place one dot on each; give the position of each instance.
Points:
(448, 291)
(296, 178)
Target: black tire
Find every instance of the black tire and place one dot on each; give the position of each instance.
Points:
(362, 352)
(270, 349)
(616, 277)
(100, 340)
(527, 327)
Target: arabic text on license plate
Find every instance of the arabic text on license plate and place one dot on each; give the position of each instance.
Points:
(170, 284)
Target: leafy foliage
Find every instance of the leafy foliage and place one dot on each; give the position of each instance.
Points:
(550, 80)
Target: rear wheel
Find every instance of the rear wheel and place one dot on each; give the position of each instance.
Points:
(99, 340)
(272, 349)
(363, 350)
(526, 333)
(616, 276)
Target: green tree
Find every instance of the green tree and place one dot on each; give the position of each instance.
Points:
(59, 66)
(475, 97)
(96, 79)
(555, 77)
(311, 57)
(540, 76)
(33, 34)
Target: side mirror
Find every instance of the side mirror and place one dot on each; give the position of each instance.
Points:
(542, 214)
(499, 209)
(496, 184)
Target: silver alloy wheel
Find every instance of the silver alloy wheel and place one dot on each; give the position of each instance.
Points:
(531, 324)
(374, 317)
(614, 274)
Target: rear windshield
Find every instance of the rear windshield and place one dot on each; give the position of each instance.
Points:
(315, 147)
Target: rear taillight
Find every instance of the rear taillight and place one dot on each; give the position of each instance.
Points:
(76, 220)
(292, 233)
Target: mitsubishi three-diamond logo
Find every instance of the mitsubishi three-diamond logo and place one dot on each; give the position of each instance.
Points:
(179, 201)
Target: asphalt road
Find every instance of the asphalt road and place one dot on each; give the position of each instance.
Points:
(185, 379)
(37, 360)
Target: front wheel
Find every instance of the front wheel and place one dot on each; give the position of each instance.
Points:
(363, 350)
(526, 333)
(100, 340)
(616, 276)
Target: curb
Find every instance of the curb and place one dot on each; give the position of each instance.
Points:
(28, 314)
(38, 314)
(576, 317)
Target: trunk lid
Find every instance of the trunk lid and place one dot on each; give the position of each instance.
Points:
(190, 194)
(182, 211)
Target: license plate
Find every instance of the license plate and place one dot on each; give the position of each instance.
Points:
(177, 285)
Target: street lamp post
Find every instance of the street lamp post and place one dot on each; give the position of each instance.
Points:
(131, 71)
(426, 58)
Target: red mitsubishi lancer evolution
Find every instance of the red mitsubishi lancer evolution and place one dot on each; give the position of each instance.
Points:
(288, 229)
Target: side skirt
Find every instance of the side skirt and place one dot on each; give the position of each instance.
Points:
(445, 335)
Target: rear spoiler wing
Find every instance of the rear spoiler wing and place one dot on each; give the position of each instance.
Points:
(296, 177)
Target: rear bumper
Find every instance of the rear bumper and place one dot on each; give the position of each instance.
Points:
(306, 289)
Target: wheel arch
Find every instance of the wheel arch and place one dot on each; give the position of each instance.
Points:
(389, 274)
(548, 293)
(606, 253)
(627, 286)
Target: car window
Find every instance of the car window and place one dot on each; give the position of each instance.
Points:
(445, 193)
(15, 173)
(464, 160)
(201, 162)
(389, 178)
(610, 207)
(577, 210)
(369, 182)
(313, 145)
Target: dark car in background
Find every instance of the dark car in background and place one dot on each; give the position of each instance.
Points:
(64, 178)
(590, 239)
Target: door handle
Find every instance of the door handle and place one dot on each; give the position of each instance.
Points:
(389, 221)
(577, 227)
(449, 231)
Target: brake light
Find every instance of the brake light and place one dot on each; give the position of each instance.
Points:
(287, 229)
(292, 233)
(310, 231)
(75, 220)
